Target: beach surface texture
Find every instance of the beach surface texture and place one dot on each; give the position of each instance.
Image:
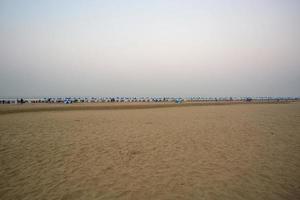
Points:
(167, 151)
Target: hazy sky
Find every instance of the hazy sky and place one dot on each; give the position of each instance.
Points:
(150, 48)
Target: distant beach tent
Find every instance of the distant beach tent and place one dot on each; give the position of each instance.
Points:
(178, 101)
(67, 101)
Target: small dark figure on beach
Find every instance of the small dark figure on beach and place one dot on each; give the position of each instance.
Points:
(249, 99)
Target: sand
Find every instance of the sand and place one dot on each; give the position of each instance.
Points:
(38, 107)
(244, 151)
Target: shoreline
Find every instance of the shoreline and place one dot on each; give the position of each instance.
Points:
(42, 107)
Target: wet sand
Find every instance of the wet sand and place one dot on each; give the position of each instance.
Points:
(242, 151)
(41, 107)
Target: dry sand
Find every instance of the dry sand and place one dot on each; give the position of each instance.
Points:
(249, 151)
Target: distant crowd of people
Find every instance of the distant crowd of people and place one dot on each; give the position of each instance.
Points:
(71, 100)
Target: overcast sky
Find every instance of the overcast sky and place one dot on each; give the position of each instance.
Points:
(150, 48)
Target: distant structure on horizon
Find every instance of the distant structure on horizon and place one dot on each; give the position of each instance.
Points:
(70, 100)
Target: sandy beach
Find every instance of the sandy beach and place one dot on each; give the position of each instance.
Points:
(241, 151)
